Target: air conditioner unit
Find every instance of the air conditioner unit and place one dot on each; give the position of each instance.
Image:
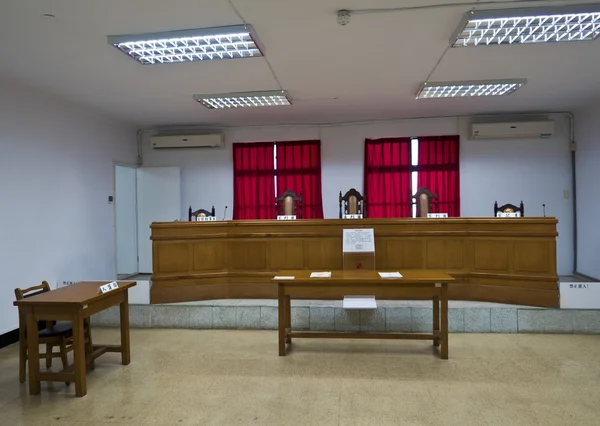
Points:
(187, 141)
(513, 130)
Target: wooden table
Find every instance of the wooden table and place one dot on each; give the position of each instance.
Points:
(418, 284)
(73, 303)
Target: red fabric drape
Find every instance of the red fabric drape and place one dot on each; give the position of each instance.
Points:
(253, 181)
(299, 170)
(387, 174)
(439, 171)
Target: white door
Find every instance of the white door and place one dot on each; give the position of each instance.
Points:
(126, 221)
(158, 200)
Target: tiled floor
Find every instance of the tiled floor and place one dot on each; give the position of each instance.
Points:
(218, 377)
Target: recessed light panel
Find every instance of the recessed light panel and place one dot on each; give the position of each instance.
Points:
(245, 99)
(528, 25)
(465, 89)
(207, 44)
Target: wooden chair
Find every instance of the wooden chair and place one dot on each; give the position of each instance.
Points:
(200, 212)
(423, 198)
(51, 333)
(354, 203)
(289, 204)
(509, 208)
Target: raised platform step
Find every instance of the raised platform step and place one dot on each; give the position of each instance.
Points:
(407, 316)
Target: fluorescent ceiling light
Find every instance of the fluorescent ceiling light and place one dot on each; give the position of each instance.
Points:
(245, 99)
(528, 25)
(230, 42)
(465, 89)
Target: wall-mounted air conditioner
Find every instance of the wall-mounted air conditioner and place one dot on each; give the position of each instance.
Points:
(188, 141)
(513, 130)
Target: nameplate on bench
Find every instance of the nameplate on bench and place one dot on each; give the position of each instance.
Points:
(108, 287)
(205, 218)
(286, 217)
(353, 216)
(508, 214)
(437, 215)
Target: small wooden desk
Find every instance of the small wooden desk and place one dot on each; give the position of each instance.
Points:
(417, 284)
(73, 303)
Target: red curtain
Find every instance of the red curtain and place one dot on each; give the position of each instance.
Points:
(299, 170)
(387, 174)
(253, 181)
(439, 171)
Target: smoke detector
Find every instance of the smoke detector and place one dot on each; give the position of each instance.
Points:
(343, 17)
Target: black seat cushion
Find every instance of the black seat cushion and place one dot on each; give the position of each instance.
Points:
(61, 328)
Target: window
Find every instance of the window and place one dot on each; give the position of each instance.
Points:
(395, 168)
(262, 171)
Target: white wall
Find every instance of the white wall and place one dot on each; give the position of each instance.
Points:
(126, 220)
(534, 171)
(587, 135)
(56, 173)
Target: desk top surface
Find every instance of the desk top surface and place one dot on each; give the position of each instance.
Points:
(82, 293)
(424, 276)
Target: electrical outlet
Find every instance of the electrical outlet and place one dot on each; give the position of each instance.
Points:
(565, 193)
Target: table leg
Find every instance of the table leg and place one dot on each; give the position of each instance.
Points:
(281, 319)
(125, 343)
(288, 318)
(444, 297)
(33, 353)
(79, 356)
(436, 320)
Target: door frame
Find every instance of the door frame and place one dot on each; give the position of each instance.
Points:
(133, 166)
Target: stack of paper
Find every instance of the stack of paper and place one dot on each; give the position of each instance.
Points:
(320, 274)
(390, 275)
(284, 277)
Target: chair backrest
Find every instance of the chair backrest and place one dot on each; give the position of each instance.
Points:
(509, 208)
(423, 198)
(29, 292)
(289, 204)
(32, 291)
(192, 215)
(354, 203)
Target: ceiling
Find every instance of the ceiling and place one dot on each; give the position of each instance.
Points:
(368, 69)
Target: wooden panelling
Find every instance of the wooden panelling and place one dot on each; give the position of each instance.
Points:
(406, 253)
(173, 257)
(209, 255)
(286, 254)
(323, 253)
(532, 256)
(248, 255)
(503, 260)
(444, 254)
(491, 255)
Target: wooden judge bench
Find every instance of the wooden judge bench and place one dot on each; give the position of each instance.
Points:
(504, 260)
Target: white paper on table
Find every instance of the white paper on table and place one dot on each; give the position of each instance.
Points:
(320, 274)
(359, 302)
(390, 275)
(284, 277)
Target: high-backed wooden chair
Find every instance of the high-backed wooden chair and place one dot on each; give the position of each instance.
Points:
(423, 198)
(51, 333)
(509, 208)
(192, 215)
(354, 203)
(289, 204)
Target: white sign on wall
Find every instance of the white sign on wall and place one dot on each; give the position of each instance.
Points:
(359, 241)
(580, 295)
